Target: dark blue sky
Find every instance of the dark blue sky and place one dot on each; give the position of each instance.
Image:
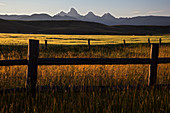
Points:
(118, 8)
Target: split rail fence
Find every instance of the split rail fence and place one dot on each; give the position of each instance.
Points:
(33, 61)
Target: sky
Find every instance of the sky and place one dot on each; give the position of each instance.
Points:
(118, 8)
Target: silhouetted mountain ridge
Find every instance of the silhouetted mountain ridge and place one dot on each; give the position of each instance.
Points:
(106, 19)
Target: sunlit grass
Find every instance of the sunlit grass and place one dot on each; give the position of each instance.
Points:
(140, 101)
(22, 39)
(86, 75)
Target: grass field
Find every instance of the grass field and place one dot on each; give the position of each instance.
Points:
(22, 39)
(141, 101)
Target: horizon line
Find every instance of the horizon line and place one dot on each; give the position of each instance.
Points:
(73, 8)
(29, 14)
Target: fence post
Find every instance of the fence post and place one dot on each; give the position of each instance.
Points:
(153, 67)
(46, 43)
(89, 44)
(124, 43)
(33, 52)
(149, 42)
(160, 41)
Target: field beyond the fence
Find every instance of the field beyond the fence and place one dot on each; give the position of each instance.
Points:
(22, 39)
(143, 100)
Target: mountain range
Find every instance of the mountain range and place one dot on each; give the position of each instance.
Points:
(106, 19)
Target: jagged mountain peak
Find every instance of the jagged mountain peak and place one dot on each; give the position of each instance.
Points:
(108, 15)
(92, 17)
(90, 13)
(73, 10)
(62, 13)
(73, 13)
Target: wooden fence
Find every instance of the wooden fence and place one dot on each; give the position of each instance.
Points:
(124, 43)
(33, 61)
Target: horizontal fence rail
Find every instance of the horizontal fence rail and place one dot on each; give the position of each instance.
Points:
(13, 62)
(92, 61)
(163, 60)
(85, 61)
(33, 61)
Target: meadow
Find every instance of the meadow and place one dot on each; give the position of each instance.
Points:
(22, 39)
(142, 100)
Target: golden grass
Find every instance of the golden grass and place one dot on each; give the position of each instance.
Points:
(22, 39)
(141, 101)
(95, 75)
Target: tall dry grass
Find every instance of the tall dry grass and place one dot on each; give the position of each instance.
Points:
(148, 100)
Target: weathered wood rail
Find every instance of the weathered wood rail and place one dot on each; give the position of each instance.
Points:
(85, 61)
(33, 61)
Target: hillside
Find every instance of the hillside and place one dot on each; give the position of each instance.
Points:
(77, 27)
